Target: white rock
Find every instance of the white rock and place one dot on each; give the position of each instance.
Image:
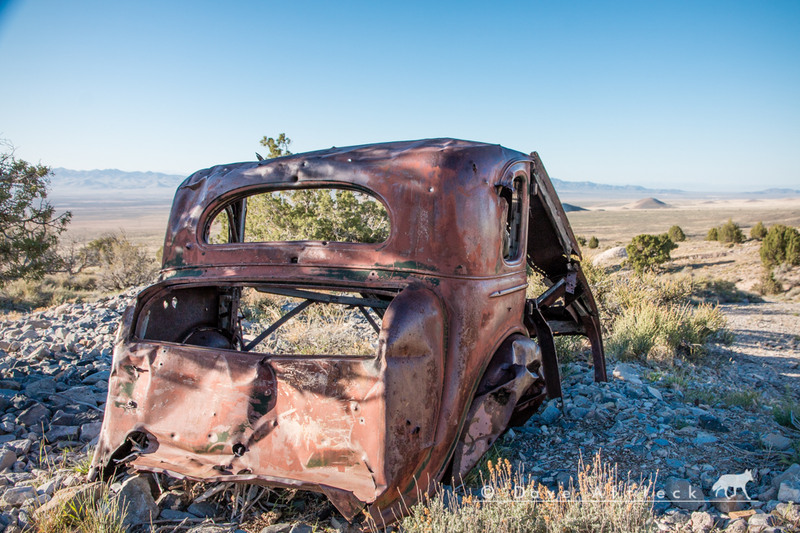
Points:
(655, 393)
(612, 256)
(625, 372)
(789, 492)
(776, 441)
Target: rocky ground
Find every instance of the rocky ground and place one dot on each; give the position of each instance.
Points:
(680, 427)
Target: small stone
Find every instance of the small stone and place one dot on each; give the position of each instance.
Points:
(705, 438)
(776, 441)
(277, 528)
(50, 486)
(674, 463)
(579, 413)
(19, 447)
(788, 511)
(135, 497)
(769, 494)
(40, 353)
(63, 433)
(712, 423)
(702, 522)
(789, 491)
(16, 496)
(91, 379)
(550, 414)
(729, 505)
(761, 520)
(33, 415)
(791, 473)
(625, 372)
(737, 526)
(10, 384)
(171, 514)
(202, 510)
(655, 393)
(683, 494)
(90, 431)
(41, 388)
(7, 459)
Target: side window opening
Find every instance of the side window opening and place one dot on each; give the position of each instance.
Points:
(511, 224)
(268, 319)
(320, 214)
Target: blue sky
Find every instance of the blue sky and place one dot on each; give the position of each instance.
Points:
(696, 95)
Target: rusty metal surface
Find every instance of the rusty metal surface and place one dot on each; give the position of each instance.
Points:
(454, 366)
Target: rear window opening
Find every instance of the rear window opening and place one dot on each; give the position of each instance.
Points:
(511, 225)
(320, 214)
(268, 319)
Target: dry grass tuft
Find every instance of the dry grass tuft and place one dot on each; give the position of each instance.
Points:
(89, 511)
(599, 501)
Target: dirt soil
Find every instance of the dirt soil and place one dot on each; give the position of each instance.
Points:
(768, 342)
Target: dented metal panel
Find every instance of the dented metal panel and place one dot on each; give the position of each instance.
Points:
(454, 364)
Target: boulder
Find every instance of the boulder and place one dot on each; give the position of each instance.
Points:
(136, 502)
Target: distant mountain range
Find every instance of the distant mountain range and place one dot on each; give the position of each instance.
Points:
(64, 178)
(66, 182)
(562, 186)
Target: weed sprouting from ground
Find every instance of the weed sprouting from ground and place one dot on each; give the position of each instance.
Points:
(92, 510)
(787, 413)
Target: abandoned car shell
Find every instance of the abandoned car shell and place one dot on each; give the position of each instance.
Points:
(455, 363)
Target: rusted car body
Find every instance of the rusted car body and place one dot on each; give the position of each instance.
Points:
(456, 362)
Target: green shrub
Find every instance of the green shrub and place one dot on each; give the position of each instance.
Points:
(780, 246)
(730, 232)
(785, 410)
(759, 231)
(652, 317)
(676, 234)
(712, 235)
(581, 240)
(122, 263)
(593, 242)
(768, 284)
(646, 251)
(569, 347)
(653, 331)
